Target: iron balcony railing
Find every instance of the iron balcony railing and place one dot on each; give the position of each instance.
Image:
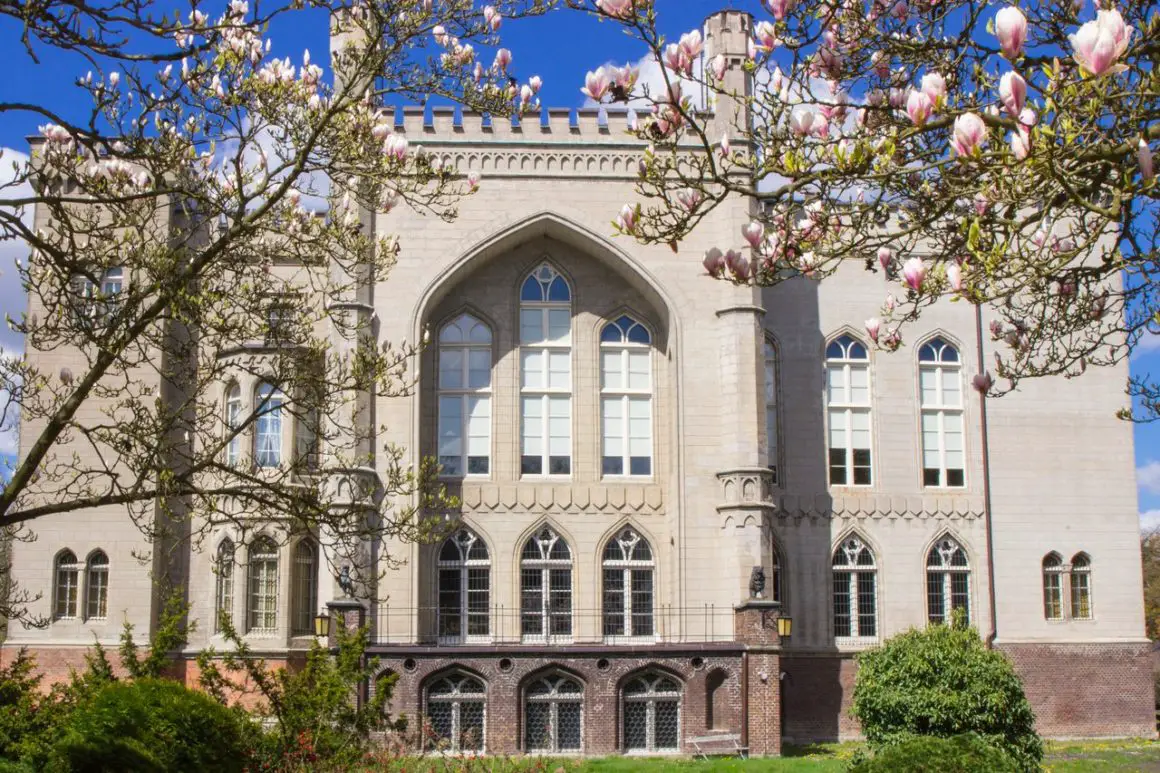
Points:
(497, 625)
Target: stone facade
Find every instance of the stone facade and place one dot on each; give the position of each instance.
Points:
(720, 497)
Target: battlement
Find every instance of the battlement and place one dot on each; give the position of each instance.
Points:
(452, 124)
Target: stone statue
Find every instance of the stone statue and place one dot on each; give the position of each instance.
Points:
(347, 584)
(757, 582)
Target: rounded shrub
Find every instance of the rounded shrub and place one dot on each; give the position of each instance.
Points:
(942, 681)
(152, 725)
(967, 753)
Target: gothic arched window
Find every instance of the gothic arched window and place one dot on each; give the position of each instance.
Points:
(948, 582)
(626, 398)
(855, 591)
(848, 412)
(545, 374)
(464, 587)
(465, 397)
(546, 586)
(628, 585)
(941, 399)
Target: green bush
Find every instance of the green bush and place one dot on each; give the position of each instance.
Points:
(152, 725)
(968, 753)
(942, 681)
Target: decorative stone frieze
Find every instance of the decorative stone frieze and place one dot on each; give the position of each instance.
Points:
(881, 506)
(642, 499)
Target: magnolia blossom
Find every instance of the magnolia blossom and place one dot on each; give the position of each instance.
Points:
(626, 220)
(982, 382)
(714, 262)
(914, 272)
(677, 60)
(766, 35)
(873, 326)
(800, 122)
(536, 82)
(503, 58)
(56, 134)
(1012, 93)
(725, 148)
(692, 44)
(753, 232)
(779, 8)
(934, 86)
(620, 9)
(596, 84)
(1020, 145)
(955, 276)
(1011, 29)
(492, 18)
(718, 65)
(396, 147)
(738, 265)
(689, 198)
(884, 257)
(473, 179)
(1098, 44)
(969, 133)
(1144, 157)
(919, 107)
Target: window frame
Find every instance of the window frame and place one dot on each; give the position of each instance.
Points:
(846, 364)
(626, 395)
(553, 698)
(93, 571)
(1053, 571)
(942, 547)
(465, 540)
(628, 568)
(851, 549)
(234, 407)
(536, 561)
(465, 394)
(1080, 566)
(651, 697)
(304, 587)
(547, 395)
(225, 582)
(268, 410)
(258, 603)
(942, 411)
(65, 563)
(770, 380)
(455, 698)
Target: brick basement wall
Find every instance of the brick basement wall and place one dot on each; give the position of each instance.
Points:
(1088, 690)
(816, 692)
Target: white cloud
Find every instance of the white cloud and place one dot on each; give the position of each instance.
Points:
(1148, 477)
(1149, 520)
(12, 297)
(1149, 342)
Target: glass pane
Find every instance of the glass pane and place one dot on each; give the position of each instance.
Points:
(842, 624)
(667, 725)
(532, 409)
(614, 602)
(640, 465)
(935, 604)
(450, 368)
(479, 426)
(928, 387)
(835, 384)
(636, 725)
(479, 368)
(952, 395)
(532, 368)
(568, 724)
(867, 605)
(538, 733)
(859, 385)
(611, 369)
(612, 430)
(531, 326)
(612, 465)
(450, 426)
(638, 370)
(471, 726)
(559, 325)
(559, 370)
(560, 426)
(639, 426)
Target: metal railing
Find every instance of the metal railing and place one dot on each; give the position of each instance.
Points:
(510, 625)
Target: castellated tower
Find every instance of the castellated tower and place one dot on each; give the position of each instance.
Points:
(654, 468)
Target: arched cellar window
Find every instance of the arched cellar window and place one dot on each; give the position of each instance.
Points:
(848, 412)
(465, 397)
(456, 705)
(262, 599)
(628, 585)
(224, 584)
(626, 398)
(68, 577)
(1053, 586)
(268, 439)
(855, 591)
(771, 424)
(1081, 587)
(652, 713)
(233, 421)
(554, 715)
(546, 586)
(304, 583)
(97, 587)
(464, 587)
(941, 399)
(545, 374)
(948, 582)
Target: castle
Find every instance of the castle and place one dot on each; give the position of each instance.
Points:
(686, 505)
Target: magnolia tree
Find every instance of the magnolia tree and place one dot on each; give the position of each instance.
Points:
(982, 152)
(195, 195)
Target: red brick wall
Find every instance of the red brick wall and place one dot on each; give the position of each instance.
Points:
(1088, 690)
(816, 692)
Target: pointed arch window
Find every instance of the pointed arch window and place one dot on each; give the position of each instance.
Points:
(268, 440)
(545, 374)
(233, 423)
(224, 584)
(772, 444)
(652, 713)
(554, 715)
(1053, 587)
(262, 601)
(941, 400)
(776, 589)
(465, 397)
(848, 412)
(304, 586)
(948, 582)
(456, 706)
(464, 588)
(855, 591)
(97, 586)
(67, 586)
(1081, 587)
(628, 586)
(626, 398)
(546, 587)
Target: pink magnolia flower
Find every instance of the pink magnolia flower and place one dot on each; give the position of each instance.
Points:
(503, 58)
(1098, 44)
(890, 303)
(753, 232)
(969, 133)
(934, 86)
(718, 65)
(626, 220)
(396, 147)
(714, 262)
(880, 63)
(1011, 29)
(1012, 93)
(692, 44)
(778, 8)
(477, 73)
(766, 35)
(526, 94)
(619, 9)
(724, 146)
(595, 84)
(738, 265)
(919, 107)
(536, 82)
(1144, 158)
(884, 257)
(996, 329)
(955, 276)
(689, 198)
(1020, 145)
(873, 326)
(800, 122)
(473, 179)
(914, 272)
(982, 382)
(492, 18)
(57, 134)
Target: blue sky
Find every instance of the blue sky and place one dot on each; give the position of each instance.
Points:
(560, 48)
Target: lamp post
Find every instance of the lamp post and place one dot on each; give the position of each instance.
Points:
(322, 625)
(784, 627)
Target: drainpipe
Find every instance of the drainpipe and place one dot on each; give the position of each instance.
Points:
(744, 700)
(994, 632)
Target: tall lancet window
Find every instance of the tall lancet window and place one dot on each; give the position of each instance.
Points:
(848, 412)
(545, 374)
(626, 398)
(771, 424)
(465, 397)
(941, 396)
